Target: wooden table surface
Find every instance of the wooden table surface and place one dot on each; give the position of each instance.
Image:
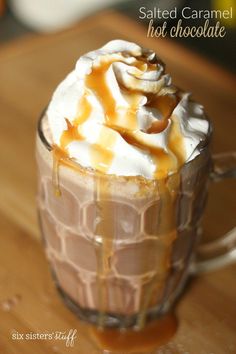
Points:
(30, 68)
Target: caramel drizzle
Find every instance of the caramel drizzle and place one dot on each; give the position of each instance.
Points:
(165, 105)
(125, 123)
(164, 161)
(72, 132)
(104, 249)
(168, 190)
(58, 156)
(96, 82)
(102, 151)
(176, 141)
(69, 135)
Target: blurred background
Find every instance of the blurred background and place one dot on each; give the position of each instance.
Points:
(19, 17)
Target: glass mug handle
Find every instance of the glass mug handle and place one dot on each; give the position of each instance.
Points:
(221, 251)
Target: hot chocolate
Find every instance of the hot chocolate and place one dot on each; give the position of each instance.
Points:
(123, 166)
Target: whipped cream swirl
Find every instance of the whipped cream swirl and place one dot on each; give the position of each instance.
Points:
(118, 112)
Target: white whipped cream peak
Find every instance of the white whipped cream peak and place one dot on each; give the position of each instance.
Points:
(126, 114)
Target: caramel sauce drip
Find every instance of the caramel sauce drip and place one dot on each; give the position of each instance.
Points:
(61, 158)
(163, 160)
(104, 247)
(58, 155)
(129, 117)
(72, 132)
(170, 161)
(176, 144)
(96, 81)
(168, 191)
(158, 126)
(165, 105)
(102, 152)
(84, 110)
(69, 135)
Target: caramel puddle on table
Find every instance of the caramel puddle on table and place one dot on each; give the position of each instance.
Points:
(155, 334)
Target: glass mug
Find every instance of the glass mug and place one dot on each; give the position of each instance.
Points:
(121, 248)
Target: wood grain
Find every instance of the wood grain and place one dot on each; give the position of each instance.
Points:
(30, 68)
